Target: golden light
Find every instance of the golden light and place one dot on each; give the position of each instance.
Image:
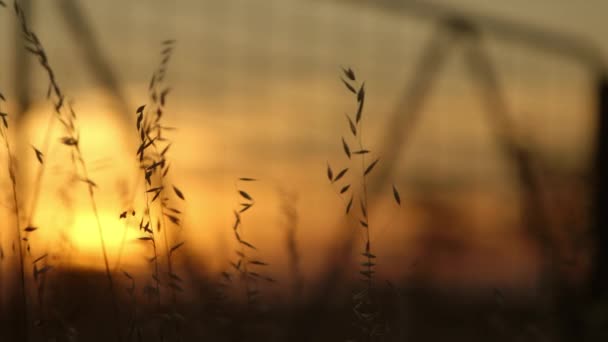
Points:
(84, 236)
(63, 214)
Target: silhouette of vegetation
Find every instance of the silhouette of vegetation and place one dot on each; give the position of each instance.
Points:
(173, 299)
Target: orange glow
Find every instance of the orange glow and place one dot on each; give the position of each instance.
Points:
(210, 154)
(85, 237)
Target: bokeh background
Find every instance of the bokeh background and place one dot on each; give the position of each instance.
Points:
(256, 92)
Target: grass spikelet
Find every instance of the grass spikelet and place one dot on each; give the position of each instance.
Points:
(244, 261)
(363, 306)
(152, 154)
(65, 114)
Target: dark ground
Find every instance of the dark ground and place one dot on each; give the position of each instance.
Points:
(78, 308)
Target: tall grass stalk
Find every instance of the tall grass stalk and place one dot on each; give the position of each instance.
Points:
(125, 227)
(151, 154)
(241, 265)
(12, 174)
(71, 140)
(365, 309)
(245, 263)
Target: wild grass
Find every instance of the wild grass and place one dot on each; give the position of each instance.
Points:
(66, 116)
(365, 307)
(179, 306)
(245, 265)
(160, 209)
(11, 165)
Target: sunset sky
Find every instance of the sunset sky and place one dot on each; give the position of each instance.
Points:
(256, 92)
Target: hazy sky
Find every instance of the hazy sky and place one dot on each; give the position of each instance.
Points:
(257, 91)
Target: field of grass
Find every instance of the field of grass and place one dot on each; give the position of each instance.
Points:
(151, 285)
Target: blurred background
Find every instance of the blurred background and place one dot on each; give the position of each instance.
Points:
(483, 114)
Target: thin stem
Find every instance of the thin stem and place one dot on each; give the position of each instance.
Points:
(123, 239)
(102, 241)
(37, 49)
(11, 170)
(166, 237)
(364, 200)
(153, 243)
(244, 259)
(368, 245)
(349, 217)
(169, 262)
(41, 170)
